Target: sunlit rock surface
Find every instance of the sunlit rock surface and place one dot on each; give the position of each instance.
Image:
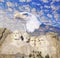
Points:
(15, 44)
(47, 44)
(4, 32)
(23, 43)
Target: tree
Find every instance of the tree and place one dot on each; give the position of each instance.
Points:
(47, 56)
(39, 55)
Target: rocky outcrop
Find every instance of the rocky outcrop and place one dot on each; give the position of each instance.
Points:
(14, 44)
(53, 39)
(23, 43)
(3, 34)
(47, 44)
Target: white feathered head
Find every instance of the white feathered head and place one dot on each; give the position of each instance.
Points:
(32, 22)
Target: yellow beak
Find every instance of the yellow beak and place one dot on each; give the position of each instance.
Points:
(19, 15)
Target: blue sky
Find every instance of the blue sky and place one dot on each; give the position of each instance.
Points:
(48, 11)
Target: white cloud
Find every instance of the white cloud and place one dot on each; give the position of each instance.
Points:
(25, 8)
(15, 4)
(53, 7)
(28, 0)
(45, 1)
(1, 0)
(9, 9)
(56, 16)
(21, 8)
(22, 0)
(34, 3)
(33, 11)
(46, 6)
(1, 11)
(41, 7)
(41, 12)
(57, 0)
(10, 4)
(49, 15)
(43, 19)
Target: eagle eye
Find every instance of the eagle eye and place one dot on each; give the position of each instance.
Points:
(25, 14)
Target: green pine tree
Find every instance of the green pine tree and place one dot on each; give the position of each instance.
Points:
(39, 55)
(47, 56)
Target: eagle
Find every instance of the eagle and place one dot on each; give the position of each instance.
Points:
(32, 22)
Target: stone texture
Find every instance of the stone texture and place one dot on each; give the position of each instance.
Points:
(46, 44)
(3, 34)
(13, 44)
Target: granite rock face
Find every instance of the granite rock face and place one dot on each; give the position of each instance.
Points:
(48, 44)
(3, 34)
(15, 44)
(23, 43)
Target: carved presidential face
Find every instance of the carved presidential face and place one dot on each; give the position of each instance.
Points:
(16, 35)
(39, 41)
(26, 36)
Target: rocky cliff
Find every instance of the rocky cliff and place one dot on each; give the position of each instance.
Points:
(23, 43)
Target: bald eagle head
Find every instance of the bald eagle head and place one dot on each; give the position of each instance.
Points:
(22, 15)
(32, 22)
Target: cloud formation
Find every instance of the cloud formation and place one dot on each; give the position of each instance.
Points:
(47, 11)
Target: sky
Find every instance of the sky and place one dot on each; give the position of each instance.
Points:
(47, 11)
